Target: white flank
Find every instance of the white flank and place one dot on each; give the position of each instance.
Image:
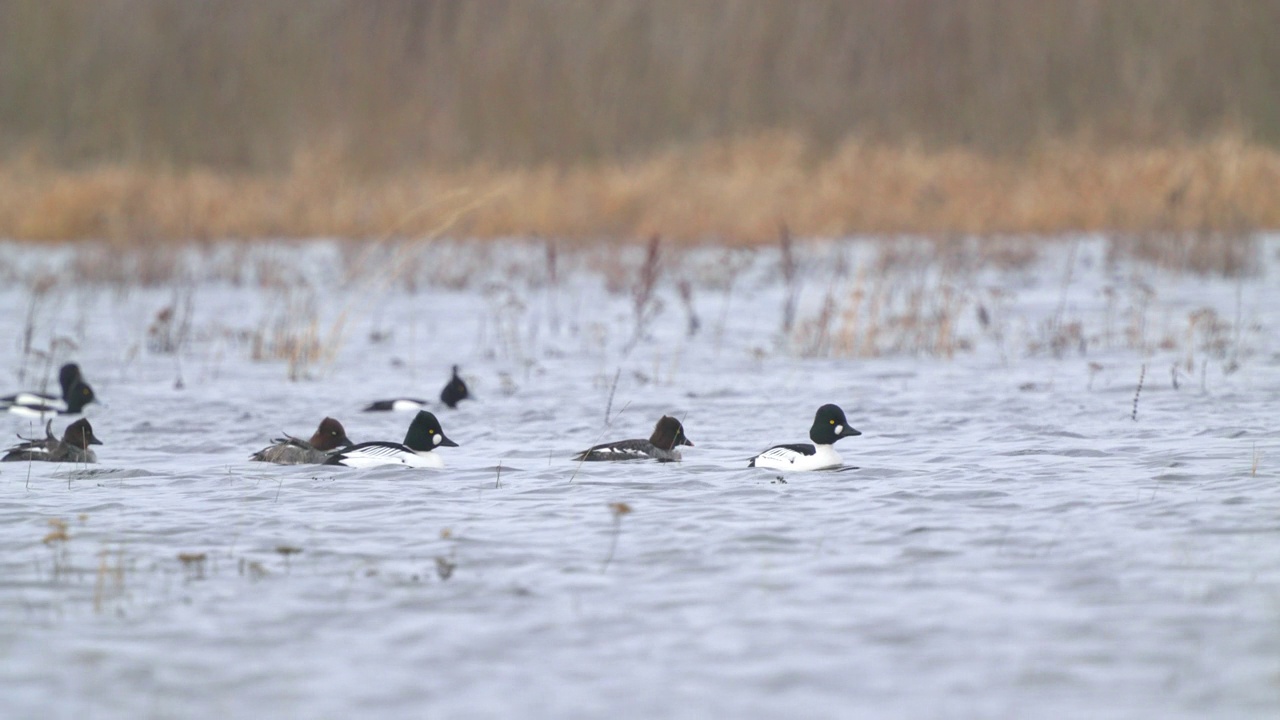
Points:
(379, 455)
(30, 398)
(781, 458)
(37, 411)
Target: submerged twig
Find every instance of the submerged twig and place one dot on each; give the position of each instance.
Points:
(618, 509)
(1142, 374)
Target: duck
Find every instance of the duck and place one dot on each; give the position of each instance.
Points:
(660, 446)
(72, 448)
(397, 405)
(454, 392)
(289, 450)
(829, 425)
(417, 450)
(76, 393)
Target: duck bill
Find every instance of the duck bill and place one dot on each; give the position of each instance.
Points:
(446, 442)
(850, 432)
(686, 441)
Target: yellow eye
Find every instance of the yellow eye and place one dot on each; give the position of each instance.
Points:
(431, 432)
(833, 422)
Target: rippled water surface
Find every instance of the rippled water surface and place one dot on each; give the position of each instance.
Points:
(1008, 540)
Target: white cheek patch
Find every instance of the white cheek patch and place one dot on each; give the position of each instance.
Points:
(435, 439)
(839, 429)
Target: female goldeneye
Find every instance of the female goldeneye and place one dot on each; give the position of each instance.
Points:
(73, 447)
(76, 393)
(290, 450)
(418, 450)
(454, 391)
(829, 425)
(661, 445)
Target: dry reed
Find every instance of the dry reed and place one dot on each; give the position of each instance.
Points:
(644, 304)
(148, 121)
(1190, 204)
(404, 83)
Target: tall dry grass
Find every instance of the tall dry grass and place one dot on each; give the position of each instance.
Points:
(248, 84)
(733, 191)
(152, 120)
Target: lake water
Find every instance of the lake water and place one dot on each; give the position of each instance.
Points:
(1007, 541)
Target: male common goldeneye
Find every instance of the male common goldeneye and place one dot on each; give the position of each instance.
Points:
(661, 445)
(418, 450)
(829, 425)
(454, 391)
(76, 393)
(290, 450)
(73, 447)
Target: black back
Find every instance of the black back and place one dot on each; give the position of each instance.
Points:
(388, 405)
(802, 448)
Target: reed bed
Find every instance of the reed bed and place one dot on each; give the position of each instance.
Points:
(149, 121)
(735, 191)
(907, 297)
(412, 83)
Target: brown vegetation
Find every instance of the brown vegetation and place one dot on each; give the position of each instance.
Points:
(248, 84)
(734, 191)
(149, 120)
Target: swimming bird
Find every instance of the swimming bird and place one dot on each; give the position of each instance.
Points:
(73, 447)
(661, 445)
(829, 425)
(76, 393)
(418, 449)
(455, 391)
(398, 405)
(290, 450)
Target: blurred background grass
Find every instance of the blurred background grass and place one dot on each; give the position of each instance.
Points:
(158, 117)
